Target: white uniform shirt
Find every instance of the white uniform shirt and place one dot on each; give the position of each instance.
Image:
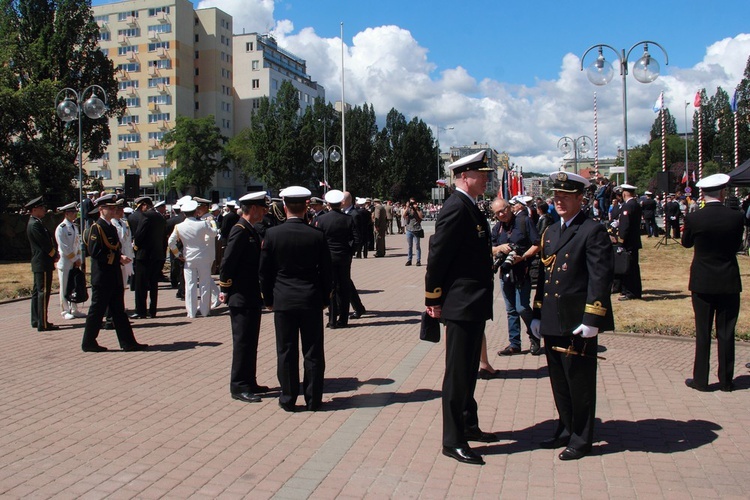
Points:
(125, 235)
(68, 244)
(197, 237)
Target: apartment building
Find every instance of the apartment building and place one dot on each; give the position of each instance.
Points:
(494, 159)
(260, 68)
(171, 60)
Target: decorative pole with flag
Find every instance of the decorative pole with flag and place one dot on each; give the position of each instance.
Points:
(697, 104)
(734, 107)
(659, 108)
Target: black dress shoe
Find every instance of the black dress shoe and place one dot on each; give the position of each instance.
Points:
(246, 397)
(355, 315)
(727, 388)
(135, 316)
(331, 325)
(693, 385)
(572, 454)
(488, 375)
(108, 325)
(465, 455)
(135, 347)
(260, 389)
(341, 324)
(49, 328)
(93, 348)
(536, 346)
(314, 406)
(509, 351)
(290, 407)
(481, 436)
(556, 442)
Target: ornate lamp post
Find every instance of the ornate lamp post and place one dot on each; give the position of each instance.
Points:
(323, 154)
(69, 108)
(645, 70)
(579, 145)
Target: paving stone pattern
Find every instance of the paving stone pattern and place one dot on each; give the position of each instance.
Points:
(161, 424)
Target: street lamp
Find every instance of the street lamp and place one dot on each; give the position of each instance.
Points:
(323, 154)
(69, 108)
(437, 145)
(579, 145)
(645, 70)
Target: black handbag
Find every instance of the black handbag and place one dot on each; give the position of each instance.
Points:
(419, 233)
(622, 260)
(76, 290)
(429, 329)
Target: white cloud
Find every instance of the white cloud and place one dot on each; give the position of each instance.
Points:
(386, 67)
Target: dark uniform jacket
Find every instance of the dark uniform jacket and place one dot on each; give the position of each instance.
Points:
(148, 239)
(459, 267)
(43, 247)
(104, 248)
(672, 210)
(239, 267)
(577, 277)
(629, 229)
(295, 267)
(716, 232)
(649, 208)
(341, 233)
(227, 223)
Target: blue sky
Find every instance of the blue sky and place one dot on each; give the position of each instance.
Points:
(507, 73)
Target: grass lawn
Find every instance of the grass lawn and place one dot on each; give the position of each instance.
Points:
(665, 309)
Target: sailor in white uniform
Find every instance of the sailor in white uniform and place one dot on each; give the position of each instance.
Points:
(69, 247)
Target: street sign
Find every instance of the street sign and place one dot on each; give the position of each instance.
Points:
(688, 190)
(616, 170)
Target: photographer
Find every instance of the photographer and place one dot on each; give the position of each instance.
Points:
(412, 216)
(515, 241)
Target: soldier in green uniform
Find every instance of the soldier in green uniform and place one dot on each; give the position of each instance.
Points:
(43, 258)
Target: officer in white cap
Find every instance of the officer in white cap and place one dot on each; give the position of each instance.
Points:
(69, 247)
(342, 238)
(715, 284)
(648, 207)
(571, 306)
(43, 257)
(197, 238)
(295, 278)
(240, 290)
(629, 234)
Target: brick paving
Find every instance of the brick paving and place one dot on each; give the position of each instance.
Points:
(161, 424)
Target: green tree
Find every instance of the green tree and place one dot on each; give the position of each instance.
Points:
(196, 146)
(704, 142)
(362, 166)
(669, 120)
(723, 146)
(48, 45)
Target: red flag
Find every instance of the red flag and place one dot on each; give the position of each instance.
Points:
(685, 178)
(697, 102)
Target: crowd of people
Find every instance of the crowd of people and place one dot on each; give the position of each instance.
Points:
(293, 255)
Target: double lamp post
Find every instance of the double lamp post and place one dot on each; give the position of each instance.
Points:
(325, 153)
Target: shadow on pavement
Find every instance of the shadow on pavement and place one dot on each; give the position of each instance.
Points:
(381, 399)
(654, 435)
(346, 384)
(182, 346)
(652, 295)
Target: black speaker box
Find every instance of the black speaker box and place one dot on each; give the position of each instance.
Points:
(132, 186)
(664, 182)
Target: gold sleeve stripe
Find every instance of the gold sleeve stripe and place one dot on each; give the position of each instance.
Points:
(435, 294)
(52, 253)
(225, 284)
(71, 255)
(596, 309)
(538, 304)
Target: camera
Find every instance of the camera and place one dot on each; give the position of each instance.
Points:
(503, 261)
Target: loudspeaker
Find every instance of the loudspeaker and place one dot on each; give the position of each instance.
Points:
(664, 182)
(132, 186)
(214, 197)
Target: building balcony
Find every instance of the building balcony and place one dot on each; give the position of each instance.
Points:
(123, 146)
(153, 71)
(161, 17)
(122, 39)
(164, 125)
(153, 36)
(162, 88)
(131, 21)
(161, 52)
(153, 107)
(153, 143)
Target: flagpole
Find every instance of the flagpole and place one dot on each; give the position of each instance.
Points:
(736, 139)
(596, 141)
(343, 115)
(687, 174)
(697, 104)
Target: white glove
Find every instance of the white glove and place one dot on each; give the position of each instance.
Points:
(535, 327)
(586, 331)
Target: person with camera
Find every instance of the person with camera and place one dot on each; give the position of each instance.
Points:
(413, 216)
(515, 241)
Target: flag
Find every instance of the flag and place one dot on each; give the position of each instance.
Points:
(684, 178)
(441, 182)
(733, 104)
(693, 174)
(659, 103)
(697, 101)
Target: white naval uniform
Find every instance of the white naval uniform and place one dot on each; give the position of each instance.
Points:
(197, 237)
(212, 252)
(126, 242)
(69, 247)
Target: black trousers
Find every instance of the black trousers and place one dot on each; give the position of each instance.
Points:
(354, 299)
(176, 275)
(112, 298)
(40, 293)
(147, 274)
(573, 380)
(674, 226)
(463, 346)
(723, 309)
(245, 330)
(291, 327)
(631, 282)
(341, 275)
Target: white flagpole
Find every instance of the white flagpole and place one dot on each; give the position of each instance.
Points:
(343, 115)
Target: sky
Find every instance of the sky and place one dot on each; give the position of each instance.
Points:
(508, 73)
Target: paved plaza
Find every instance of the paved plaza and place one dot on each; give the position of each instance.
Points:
(161, 424)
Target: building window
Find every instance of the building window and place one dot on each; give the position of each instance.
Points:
(154, 154)
(129, 67)
(161, 63)
(127, 83)
(155, 135)
(127, 119)
(158, 117)
(274, 84)
(128, 155)
(133, 102)
(157, 45)
(160, 99)
(197, 54)
(123, 16)
(121, 51)
(101, 174)
(161, 28)
(129, 32)
(197, 38)
(249, 47)
(129, 138)
(155, 82)
(256, 103)
(153, 12)
(256, 64)
(197, 71)
(196, 89)
(105, 36)
(256, 84)
(197, 105)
